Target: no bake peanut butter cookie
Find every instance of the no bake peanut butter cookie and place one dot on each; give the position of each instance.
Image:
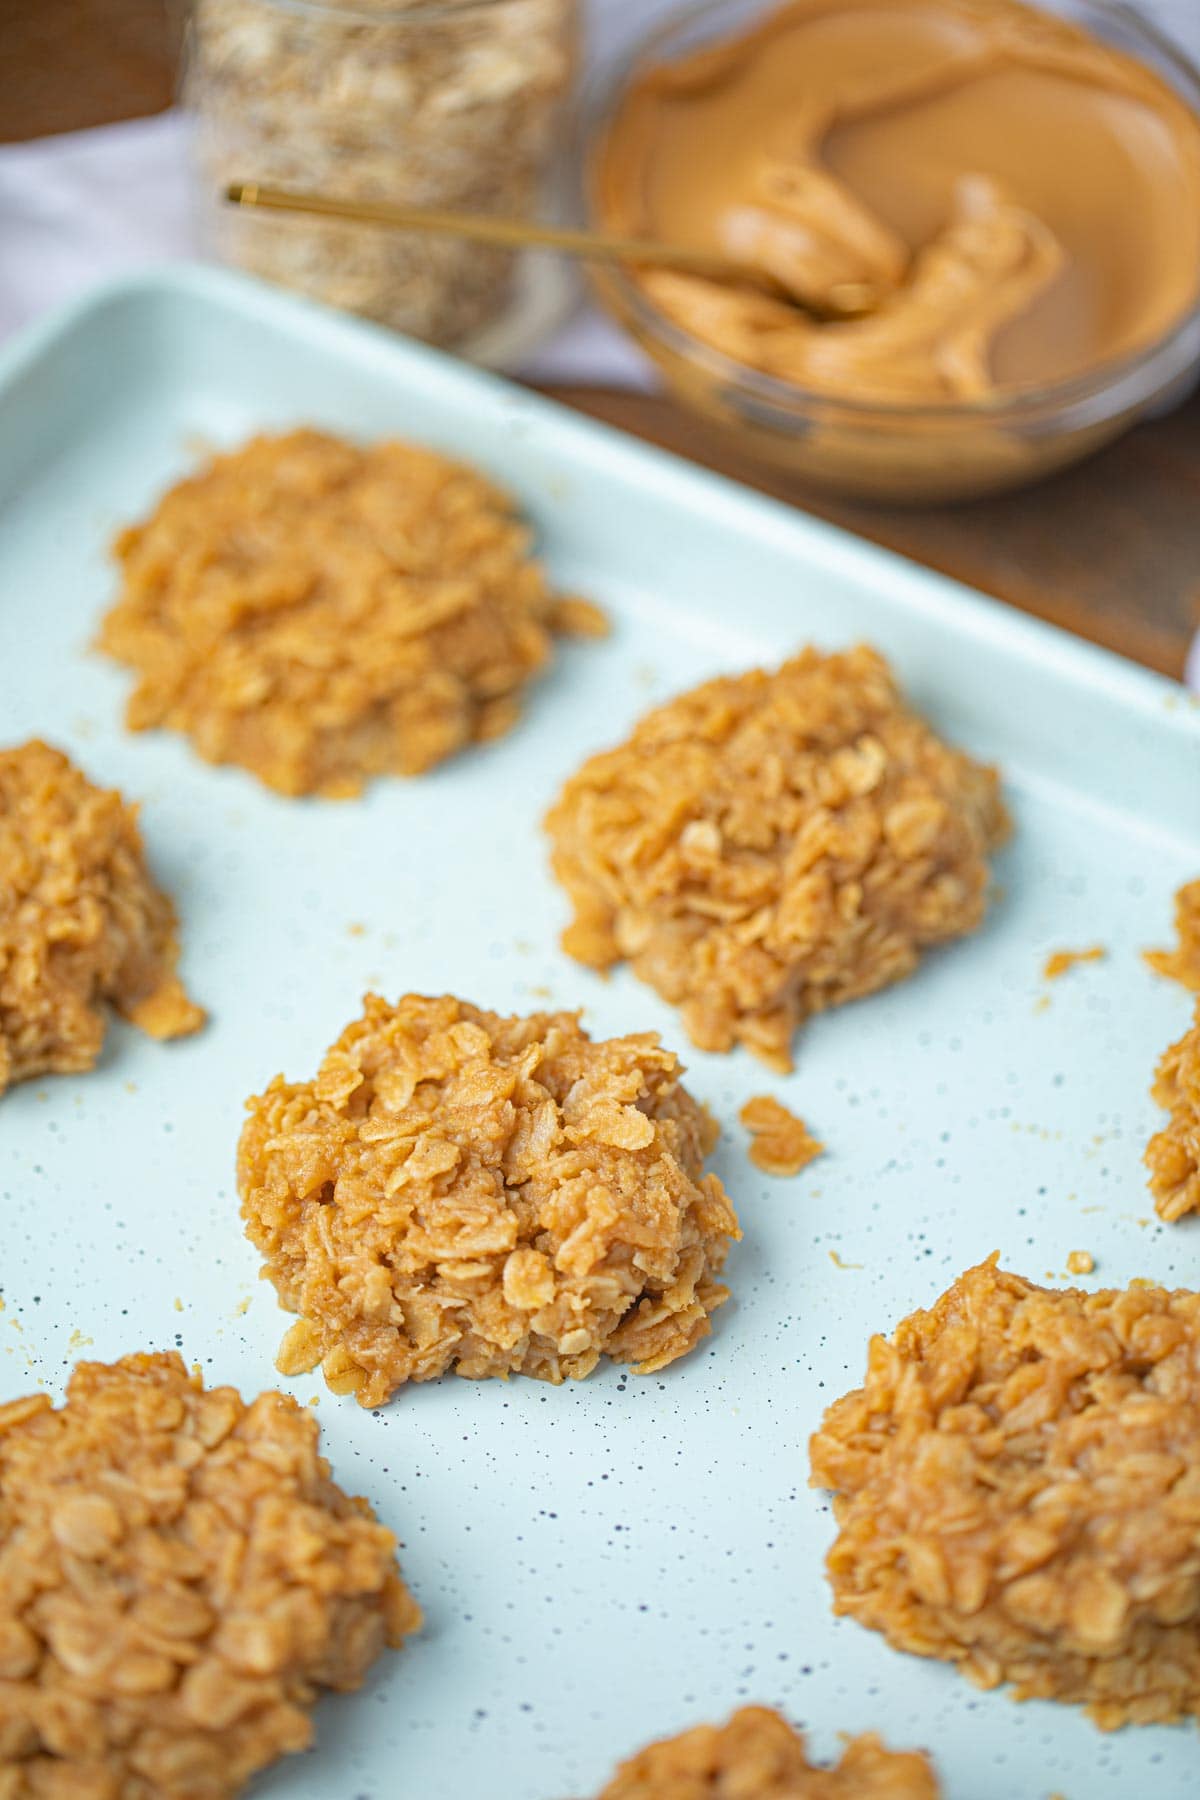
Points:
(321, 614)
(495, 1195)
(1173, 1154)
(179, 1578)
(771, 844)
(82, 924)
(757, 1756)
(1017, 1489)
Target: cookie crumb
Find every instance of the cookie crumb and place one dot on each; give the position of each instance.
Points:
(1059, 961)
(1080, 1262)
(574, 617)
(1182, 964)
(780, 1141)
(774, 843)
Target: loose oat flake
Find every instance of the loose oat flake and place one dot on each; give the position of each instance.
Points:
(780, 1141)
(1017, 1490)
(1182, 964)
(1173, 1154)
(494, 1195)
(179, 1578)
(321, 614)
(82, 924)
(771, 844)
(1059, 962)
(757, 1755)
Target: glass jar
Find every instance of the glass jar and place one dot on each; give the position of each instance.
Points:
(457, 104)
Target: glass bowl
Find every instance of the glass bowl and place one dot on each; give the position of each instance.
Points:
(896, 452)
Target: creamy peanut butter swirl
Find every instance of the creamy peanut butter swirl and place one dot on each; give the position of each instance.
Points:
(1020, 201)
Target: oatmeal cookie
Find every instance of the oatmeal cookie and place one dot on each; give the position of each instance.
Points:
(768, 845)
(496, 1195)
(82, 924)
(1017, 1490)
(780, 1141)
(1173, 1154)
(320, 613)
(179, 1577)
(757, 1756)
(1182, 964)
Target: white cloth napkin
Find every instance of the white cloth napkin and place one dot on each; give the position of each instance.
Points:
(87, 205)
(77, 209)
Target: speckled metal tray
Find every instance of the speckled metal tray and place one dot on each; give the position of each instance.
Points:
(606, 1562)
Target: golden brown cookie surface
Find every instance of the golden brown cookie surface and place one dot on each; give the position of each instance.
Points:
(496, 1195)
(774, 843)
(780, 1141)
(1017, 1489)
(321, 614)
(757, 1756)
(179, 1577)
(82, 924)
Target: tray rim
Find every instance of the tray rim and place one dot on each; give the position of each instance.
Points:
(942, 599)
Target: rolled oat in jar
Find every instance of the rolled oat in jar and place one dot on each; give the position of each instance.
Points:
(450, 104)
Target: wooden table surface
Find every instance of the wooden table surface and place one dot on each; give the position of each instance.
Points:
(1110, 550)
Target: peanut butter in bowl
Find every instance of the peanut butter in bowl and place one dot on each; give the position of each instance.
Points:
(1008, 198)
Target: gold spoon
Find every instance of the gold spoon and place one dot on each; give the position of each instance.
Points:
(846, 300)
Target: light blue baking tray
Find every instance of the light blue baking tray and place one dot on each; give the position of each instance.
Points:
(610, 1561)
